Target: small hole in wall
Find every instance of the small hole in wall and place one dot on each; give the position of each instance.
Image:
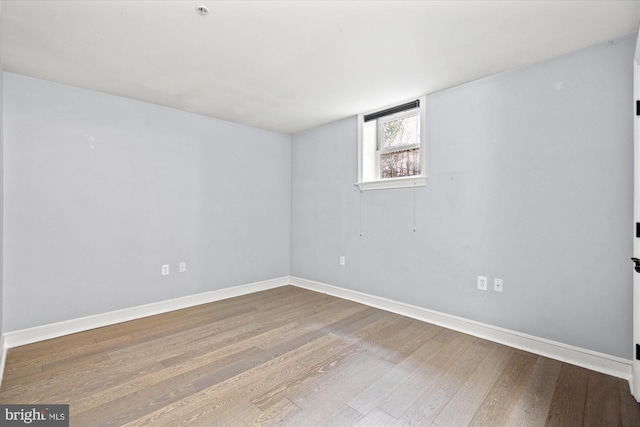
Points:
(202, 10)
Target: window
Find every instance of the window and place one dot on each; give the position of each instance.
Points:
(392, 147)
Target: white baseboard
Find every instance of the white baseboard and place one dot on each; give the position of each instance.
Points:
(54, 330)
(3, 357)
(599, 362)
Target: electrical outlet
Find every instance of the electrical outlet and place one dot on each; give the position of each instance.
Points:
(182, 267)
(482, 283)
(165, 269)
(343, 260)
(497, 285)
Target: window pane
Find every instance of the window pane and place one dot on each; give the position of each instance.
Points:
(400, 163)
(404, 131)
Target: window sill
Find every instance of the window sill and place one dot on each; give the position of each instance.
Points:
(383, 184)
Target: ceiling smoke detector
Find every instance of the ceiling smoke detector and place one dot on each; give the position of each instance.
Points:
(202, 10)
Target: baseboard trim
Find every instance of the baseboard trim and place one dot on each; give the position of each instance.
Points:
(54, 330)
(3, 357)
(599, 362)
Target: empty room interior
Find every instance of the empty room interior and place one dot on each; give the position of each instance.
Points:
(319, 213)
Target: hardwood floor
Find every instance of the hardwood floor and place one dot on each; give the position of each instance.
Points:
(293, 357)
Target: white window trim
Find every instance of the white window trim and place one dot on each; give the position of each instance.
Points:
(383, 184)
(402, 182)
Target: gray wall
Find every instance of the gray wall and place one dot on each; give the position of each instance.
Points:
(530, 180)
(101, 191)
(1, 198)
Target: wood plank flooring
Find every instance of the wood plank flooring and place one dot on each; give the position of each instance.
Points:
(293, 357)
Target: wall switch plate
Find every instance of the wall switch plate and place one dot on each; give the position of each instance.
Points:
(482, 283)
(497, 285)
(343, 260)
(165, 269)
(182, 267)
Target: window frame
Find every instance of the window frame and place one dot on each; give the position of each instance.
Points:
(398, 182)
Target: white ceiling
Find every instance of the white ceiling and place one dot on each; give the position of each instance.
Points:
(289, 66)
